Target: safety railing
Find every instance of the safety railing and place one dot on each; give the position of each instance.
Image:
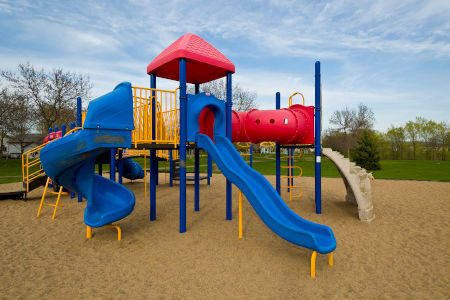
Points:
(166, 118)
(31, 162)
(244, 146)
(267, 145)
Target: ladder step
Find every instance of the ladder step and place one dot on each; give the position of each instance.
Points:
(46, 204)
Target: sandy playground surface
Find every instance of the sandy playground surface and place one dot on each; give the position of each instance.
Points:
(402, 254)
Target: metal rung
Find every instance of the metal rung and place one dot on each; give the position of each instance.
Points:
(47, 204)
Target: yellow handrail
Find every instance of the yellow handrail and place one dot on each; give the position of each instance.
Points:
(296, 93)
(28, 162)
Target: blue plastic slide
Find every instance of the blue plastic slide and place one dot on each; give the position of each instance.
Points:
(70, 160)
(265, 200)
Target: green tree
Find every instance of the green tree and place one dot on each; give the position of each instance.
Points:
(412, 131)
(366, 153)
(396, 135)
(51, 93)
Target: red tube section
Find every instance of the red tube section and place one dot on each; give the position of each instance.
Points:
(293, 125)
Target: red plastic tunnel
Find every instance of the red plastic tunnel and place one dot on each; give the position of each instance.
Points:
(293, 125)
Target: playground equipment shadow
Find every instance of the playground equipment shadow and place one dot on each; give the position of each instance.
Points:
(403, 253)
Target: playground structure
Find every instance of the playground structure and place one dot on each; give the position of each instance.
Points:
(152, 122)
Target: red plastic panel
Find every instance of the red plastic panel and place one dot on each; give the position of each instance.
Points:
(52, 136)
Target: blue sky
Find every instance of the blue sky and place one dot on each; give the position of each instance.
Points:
(391, 55)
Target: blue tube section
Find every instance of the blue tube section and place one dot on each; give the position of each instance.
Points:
(317, 145)
(277, 150)
(228, 107)
(183, 140)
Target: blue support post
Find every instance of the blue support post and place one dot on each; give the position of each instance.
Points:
(112, 166)
(209, 166)
(229, 105)
(277, 151)
(197, 169)
(292, 164)
(79, 121)
(170, 168)
(197, 179)
(288, 170)
(156, 169)
(72, 126)
(317, 143)
(120, 165)
(56, 129)
(183, 140)
(153, 162)
(50, 130)
(251, 155)
(79, 107)
(63, 129)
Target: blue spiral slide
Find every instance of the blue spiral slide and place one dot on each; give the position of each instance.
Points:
(70, 160)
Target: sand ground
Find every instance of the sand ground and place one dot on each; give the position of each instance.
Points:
(403, 254)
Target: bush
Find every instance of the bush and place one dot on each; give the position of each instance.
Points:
(366, 153)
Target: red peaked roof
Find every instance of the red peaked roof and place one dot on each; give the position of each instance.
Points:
(203, 62)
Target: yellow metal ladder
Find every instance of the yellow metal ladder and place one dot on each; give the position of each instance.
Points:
(290, 166)
(59, 193)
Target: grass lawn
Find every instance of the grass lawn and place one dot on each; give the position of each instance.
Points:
(11, 169)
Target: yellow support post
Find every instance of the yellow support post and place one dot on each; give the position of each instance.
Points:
(57, 202)
(88, 232)
(240, 214)
(330, 258)
(43, 196)
(313, 264)
(119, 231)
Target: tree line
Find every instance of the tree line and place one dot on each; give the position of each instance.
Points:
(33, 100)
(417, 139)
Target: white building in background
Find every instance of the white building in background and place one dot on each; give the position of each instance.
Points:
(11, 148)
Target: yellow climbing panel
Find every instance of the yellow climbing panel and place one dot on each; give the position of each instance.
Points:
(167, 116)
